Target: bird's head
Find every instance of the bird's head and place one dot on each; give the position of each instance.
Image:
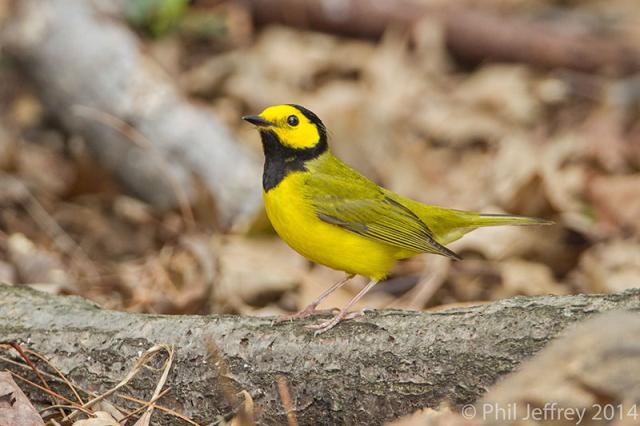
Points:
(294, 126)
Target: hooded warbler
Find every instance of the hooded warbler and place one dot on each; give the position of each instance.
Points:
(333, 215)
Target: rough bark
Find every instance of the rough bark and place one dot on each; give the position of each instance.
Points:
(589, 376)
(380, 366)
(94, 76)
(471, 33)
(594, 369)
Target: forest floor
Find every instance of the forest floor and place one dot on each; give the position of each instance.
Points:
(489, 137)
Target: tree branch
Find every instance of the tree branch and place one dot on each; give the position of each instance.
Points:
(95, 78)
(473, 34)
(383, 365)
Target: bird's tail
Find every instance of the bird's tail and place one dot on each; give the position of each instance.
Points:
(449, 225)
(478, 219)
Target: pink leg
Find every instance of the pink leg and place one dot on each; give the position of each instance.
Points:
(309, 310)
(343, 314)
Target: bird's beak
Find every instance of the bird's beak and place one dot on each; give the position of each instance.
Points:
(256, 120)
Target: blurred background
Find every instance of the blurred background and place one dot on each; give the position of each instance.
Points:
(127, 176)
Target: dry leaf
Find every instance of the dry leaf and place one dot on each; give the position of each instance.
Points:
(520, 277)
(178, 279)
(617, 201)
(504, 91)
(7, 273)
(34, 264)
(430, 417)
(257, 270)
(245, 415)
(610, 267)
(15, 408)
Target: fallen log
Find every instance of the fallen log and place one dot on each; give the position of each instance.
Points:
(471, 33)
(365, 371)
(94, 77)
(594, 368)
(588, 376)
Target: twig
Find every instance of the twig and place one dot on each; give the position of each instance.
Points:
(50, 376)
(58, 372)
(134, 370)
(24, 356)
(68, 407)
(159, 407)
(43, 389)
(146, 405)
(90, 394)
(476, 34)
(146, 417)
(44, 373)
(285, 396)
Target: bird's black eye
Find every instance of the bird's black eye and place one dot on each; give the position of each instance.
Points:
(292, 120)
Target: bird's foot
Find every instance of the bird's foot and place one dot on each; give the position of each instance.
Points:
(306, 312)
(329, 324)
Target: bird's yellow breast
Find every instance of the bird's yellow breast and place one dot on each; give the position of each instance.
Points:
(294, 219)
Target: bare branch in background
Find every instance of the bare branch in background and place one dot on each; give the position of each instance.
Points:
(473, 34)
(78, 55)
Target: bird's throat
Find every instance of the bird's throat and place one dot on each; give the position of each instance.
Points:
(281, 160)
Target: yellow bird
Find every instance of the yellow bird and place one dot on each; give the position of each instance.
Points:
(332, 215)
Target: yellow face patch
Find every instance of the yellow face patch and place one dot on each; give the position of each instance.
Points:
(291, 126)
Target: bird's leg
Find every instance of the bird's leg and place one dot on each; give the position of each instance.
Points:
(311, 308)
(344, 312)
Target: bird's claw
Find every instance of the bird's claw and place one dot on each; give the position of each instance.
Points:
(309, 310)
(325, 326)
(306, 312)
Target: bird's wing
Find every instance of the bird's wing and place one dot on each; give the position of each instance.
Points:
(354, 203)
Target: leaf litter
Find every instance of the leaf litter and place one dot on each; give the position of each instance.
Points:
(98, 408)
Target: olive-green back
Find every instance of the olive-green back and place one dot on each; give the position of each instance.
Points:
(343, 197)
